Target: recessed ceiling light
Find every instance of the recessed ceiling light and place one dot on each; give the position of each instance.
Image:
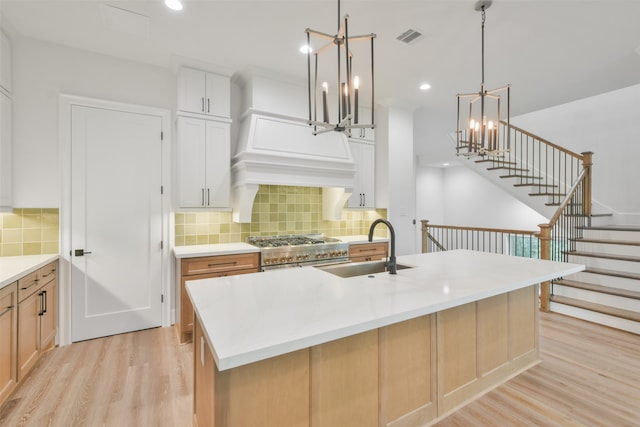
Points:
(445, 164)
(173, 4)
(425, 86)
(306, 49)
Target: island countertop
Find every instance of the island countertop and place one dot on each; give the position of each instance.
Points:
(253, 317)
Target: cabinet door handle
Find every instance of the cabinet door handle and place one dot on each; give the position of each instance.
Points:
(221, 264)
(364, 199)
(81, 252)
(203, 104)
(208, 105)
(6, 311)
(208, 197)
(202, 203)
(41, 312)
(44, 301)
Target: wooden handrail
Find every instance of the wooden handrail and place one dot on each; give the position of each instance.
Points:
(549, 143)
(495, 230)
(567, 199)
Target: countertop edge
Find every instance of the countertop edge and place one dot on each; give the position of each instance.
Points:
(26, 264)
(278, 348)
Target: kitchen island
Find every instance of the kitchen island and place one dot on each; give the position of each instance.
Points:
(302, 346)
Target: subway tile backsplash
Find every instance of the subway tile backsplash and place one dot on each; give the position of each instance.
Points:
(277, 209)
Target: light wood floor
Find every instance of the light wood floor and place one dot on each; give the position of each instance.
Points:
(138, 379)
(589, 376)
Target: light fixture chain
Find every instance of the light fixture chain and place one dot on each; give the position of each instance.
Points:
(483, 19)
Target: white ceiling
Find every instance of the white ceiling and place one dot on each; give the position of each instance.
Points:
(550, 51)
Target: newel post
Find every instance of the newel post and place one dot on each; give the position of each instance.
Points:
(425, 226)
(545, 253)
(587, 162)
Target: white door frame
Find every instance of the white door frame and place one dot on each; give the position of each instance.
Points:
(64, 279)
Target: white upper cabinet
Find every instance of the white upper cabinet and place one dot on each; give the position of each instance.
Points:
(203, 163)
(364, 134)
(6, 161)
(6, 125)
(202, 92)
(5, 63)
(364, 154)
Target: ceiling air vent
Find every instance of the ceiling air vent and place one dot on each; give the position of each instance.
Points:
(409, 36)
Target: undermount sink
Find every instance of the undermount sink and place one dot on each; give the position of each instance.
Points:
(359, 268)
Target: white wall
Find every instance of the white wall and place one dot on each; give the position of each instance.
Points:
(608, 125)
(456, 195)
(395, 141)
(42, 71)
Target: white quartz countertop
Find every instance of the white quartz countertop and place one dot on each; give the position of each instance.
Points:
(252, 317)
(13, 268)
(217, 249)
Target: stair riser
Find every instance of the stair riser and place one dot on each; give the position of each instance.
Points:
(605, 280)
(598, 298)
(627, 236)
(629, 250)
(607, 264)
(603, 319)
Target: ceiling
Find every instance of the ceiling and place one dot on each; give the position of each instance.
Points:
(550, 51)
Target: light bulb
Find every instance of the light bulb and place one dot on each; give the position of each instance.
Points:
(173, 4)
(356, 82)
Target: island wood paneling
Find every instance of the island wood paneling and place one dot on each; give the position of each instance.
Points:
(493, 333)
(589, 375)
(270, 393)
(408, 372)
(344, 382)
(472, 341)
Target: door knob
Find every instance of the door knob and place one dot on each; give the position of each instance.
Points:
(80, 252)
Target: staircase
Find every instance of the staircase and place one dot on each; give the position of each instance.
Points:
(556, 183)
(608, 291)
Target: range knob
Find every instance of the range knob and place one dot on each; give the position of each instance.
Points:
(289, 258)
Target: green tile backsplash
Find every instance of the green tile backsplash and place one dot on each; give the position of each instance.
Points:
(277, 209)
(29, 232)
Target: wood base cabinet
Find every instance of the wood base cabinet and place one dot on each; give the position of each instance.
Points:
(8, 340)
(406, 374)
(206, 268)
(37, 316)
(28, 324)
(361, 252)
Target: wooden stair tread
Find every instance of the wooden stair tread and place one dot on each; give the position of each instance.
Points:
(607, 242)
(613, 228)
(547, 194)
(598, 308)
(502, 162)
(614, 273)
(494, 168)
(605, 256)
(538, 185)
(521, 176)
(598, 288)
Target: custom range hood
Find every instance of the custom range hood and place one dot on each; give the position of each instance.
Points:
(275, 146)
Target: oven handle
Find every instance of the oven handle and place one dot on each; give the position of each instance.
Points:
(305, 264)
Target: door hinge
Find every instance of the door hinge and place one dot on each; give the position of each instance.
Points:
(162, 189)
(162, 298)
(161, 244)
(161, 136)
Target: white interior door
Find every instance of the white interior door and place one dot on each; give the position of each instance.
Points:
(116, 220)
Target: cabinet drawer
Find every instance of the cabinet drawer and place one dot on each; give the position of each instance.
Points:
(220, 263)
(368, 249)
(8, 298)
(47, 273)
(28, 285)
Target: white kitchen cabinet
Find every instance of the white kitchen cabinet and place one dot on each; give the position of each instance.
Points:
(5, 62)
(204, 161)
(364, 134)
(205, 93)
(6, 161)
(364, 154)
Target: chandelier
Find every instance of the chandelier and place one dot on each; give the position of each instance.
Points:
(334, 80)
(480, 133)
